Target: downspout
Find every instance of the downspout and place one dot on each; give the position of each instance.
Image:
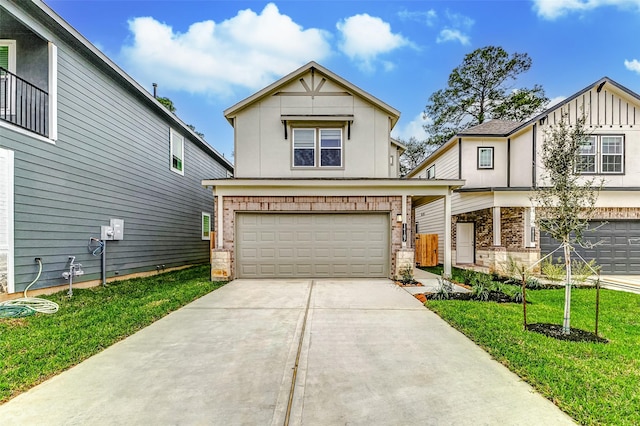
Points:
(404, 222)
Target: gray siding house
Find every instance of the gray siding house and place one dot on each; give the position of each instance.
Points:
(81, 143)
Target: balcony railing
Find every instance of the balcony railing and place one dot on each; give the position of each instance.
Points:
(23, 104)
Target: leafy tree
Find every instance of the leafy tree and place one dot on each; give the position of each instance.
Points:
(414, 154)
(566, 199)
(168, 103)
(192, 127)
(481, 89)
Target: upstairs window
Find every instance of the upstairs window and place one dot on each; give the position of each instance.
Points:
(177, 152)
(485, 157)
(317, 147)
(304, 148)
(7, 83)
(431, 172)
(601, 155)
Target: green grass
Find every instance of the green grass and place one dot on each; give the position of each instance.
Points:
(35, 348)
(594, 383)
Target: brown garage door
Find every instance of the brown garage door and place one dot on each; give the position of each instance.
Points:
(281, 245)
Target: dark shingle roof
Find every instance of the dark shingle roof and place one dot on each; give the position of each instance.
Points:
(492, 128)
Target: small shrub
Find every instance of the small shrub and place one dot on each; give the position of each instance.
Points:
(445, 288)
(580, 270)
(534, 284)
(480, 290)
(553, 271)
(406, 275)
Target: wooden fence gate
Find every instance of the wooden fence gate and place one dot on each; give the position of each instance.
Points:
(426, 249)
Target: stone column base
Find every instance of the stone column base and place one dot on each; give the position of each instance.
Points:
(220, 265)
(405, 258)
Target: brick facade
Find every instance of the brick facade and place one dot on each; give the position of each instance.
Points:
(316, 204)
(512, 223)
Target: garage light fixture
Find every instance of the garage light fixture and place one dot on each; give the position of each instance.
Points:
(399, 218)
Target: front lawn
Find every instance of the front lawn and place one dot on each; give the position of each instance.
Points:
(32, 349)
(595, 383)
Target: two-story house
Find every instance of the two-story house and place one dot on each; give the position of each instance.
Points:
(493, 216)
(316, 191)
(82, 143)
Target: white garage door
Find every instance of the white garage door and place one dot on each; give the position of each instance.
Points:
(312, 245)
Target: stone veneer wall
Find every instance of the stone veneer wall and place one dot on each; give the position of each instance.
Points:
(317, 204)
(512, 237)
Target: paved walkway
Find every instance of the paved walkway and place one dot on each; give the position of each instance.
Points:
(367, 353)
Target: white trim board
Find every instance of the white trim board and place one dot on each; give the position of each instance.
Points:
(6, 214)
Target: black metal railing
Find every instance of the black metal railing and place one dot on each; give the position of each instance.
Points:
(23, 104)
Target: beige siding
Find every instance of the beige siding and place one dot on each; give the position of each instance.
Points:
(484, 178)
(430, 220)
(261, 149)
(468, 202)
(521, 159)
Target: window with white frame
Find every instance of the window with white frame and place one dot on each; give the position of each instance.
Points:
(431, 172)
(206, 226)
(485, 157)
(317, 147)
(602, 154)
(177, 152)
(7, 88)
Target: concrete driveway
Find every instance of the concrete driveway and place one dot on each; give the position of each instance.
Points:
(366, 351)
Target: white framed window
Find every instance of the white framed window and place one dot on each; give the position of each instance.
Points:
(206, 226)
(431, 172)
(611, 154)
(586, 162)
(601, 154)
(317, 147)
(177, 152)
(485, 157)
(304, 147)
(7, 84)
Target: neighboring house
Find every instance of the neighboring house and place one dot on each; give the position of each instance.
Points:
(81, 143)
(500, 162)
(316, 191)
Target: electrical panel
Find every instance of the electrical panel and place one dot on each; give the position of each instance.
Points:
(113, 232)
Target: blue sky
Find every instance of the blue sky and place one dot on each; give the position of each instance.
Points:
(207, 55)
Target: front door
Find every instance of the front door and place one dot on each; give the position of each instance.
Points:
(465, 250)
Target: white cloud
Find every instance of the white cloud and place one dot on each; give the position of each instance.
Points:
(555, 101)
(249, 50)
(427, 17)
(452, 35)
(414, 128)
(633, 65)
(456, 30)
(365, 37)
(552, 9)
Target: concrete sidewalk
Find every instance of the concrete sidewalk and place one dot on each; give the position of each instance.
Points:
(370, 354)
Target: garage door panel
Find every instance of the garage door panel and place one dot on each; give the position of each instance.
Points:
(615, 249)
(312, 245)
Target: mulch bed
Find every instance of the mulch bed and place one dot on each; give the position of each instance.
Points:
(411, 284)
(555, 331)
(494, 296)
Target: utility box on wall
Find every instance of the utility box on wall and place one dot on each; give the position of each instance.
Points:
(113, 232)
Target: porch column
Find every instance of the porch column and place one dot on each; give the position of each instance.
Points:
(220, 227)
(405, 231)
(497, 231)
(447, 233)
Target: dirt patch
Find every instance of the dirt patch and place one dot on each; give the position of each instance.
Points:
(555, 331)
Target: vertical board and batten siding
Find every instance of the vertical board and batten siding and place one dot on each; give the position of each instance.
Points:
(430, 220)
(111, 160)
(608, 112)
